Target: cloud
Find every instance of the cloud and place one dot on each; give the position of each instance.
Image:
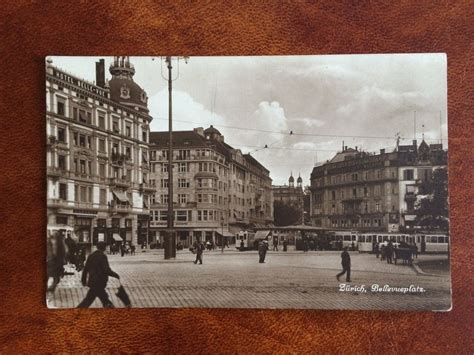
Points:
(187, 113)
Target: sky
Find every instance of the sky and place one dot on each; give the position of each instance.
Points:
(303, 108)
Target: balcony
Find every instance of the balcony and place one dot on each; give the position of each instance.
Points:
(147, 187)
(119, 182)
(118, 159)
(118, 207)
(56, 203)
(56, 172)
(51, 141)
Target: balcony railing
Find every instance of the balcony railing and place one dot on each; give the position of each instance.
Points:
(147, 187)
(56, 172)
(410, 196)
(120, 207)
(119, 182)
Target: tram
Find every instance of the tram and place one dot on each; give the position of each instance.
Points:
(246, 240)
(340, 239)
(430, 243)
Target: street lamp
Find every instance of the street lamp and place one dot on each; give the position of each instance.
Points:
(222, 230)
(170, 238)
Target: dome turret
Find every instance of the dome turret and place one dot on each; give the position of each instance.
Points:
(122, 87)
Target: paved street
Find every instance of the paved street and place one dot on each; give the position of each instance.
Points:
(287, 280)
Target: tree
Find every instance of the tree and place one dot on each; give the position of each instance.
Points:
(285, 214)
(432, 210)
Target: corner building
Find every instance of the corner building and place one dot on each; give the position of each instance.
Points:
(372, 192)
(218, 191)
(97, 154)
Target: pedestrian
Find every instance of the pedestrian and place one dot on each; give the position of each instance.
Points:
(415, 250)
(275, 243)
(198, 249)
(56, 259)
(382, 252)
(132, 249)
(96, 275)
(377, 250)
(346, 265)
(122, 249)
(242, 245)
(389, 252)
(285, 245)
(262, 250)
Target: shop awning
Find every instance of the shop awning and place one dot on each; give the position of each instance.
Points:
(262, 234)
(117, 237)
(120, 195)
(224, 233)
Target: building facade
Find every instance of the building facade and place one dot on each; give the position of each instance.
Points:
(372, 192)
(218, 191)
(97, 154)
(290, 195)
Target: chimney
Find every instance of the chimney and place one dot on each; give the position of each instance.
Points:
(100, 73)
(199, 130)
(414, 142)
(382, 151)
(356, 148)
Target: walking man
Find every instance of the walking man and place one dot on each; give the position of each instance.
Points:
(346, 265)
(96, 275)
(285, 245)
(262, 250)
(275, 243)
(198, 249)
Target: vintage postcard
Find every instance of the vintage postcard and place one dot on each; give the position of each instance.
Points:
(281, 182)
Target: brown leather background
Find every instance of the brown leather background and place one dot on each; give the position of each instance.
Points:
(31, 30)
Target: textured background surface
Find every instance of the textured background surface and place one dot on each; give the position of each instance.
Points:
(30, 30)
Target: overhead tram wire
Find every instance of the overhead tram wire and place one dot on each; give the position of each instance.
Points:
(293, 132)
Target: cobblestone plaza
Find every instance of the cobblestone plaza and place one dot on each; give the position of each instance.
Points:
(287, 280)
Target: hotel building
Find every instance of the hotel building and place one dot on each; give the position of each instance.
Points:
(97, 154)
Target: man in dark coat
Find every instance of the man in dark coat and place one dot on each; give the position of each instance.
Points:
(262, 250)
(198, 249)
(346, 265)
(285, 245)
(95, 275)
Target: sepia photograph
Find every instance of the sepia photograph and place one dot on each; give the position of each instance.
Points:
(266, 182)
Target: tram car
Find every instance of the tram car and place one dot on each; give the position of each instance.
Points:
(246, 240)
(426, 243)
(340, 239)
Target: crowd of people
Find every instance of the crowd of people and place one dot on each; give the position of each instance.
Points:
(391, 252)
(124, 248)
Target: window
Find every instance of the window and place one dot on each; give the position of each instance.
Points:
(366, 192)
(101, 121)
(128, 153)
(183, 183)
(82, 140)
(182, 198)
(61, 162)
(82, 166)
(163, 216)
(144, 135)
(61, 220)
(128, 131)
(333, 195)
(164, 199)
(103, 196)
(354, 177)
(128, 223)
(115, 126)
(116, 222)
(354, 192)
(102, 145)
(61, 135)
(164, 183)
(181, 215)
(366, 207)
(408, 174)
(61, 107)
(377, 206)
(102, 170)
(75, 116)
(183, 167)
(63, 191)
(129, 175)
(153, 198)
(102, 223)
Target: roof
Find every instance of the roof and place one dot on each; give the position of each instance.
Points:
(211, 129)
(254, 161)
(180, 138)
(341, 156)
(136, 95)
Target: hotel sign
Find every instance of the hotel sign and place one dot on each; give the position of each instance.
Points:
(79, 83)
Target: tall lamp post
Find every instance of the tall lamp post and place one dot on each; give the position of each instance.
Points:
(170, 238)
